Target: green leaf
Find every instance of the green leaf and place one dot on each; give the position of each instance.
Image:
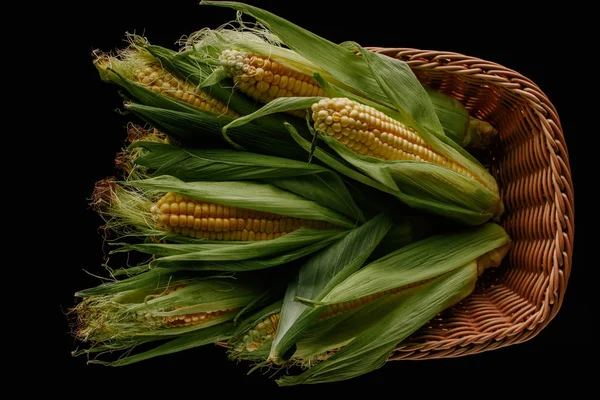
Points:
(404, 91)
(278, 105)
(341, 63)
(320, 275)
(252, 195)
(387, 322)
(187, 341)
(204, 130)
(418, 262)
(218, 251)
(423, 185)
(309, 180)
(453, 116)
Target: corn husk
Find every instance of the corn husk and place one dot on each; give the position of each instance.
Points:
(127, 211)
(135, 311)
(437, 273)
(308, 180)
(319, 276)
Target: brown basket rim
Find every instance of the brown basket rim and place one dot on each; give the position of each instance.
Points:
(540, 107)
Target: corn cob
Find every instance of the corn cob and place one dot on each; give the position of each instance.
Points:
(174, 321)
(157, 79)
(370, 132)
(93, 324)
(265, 330)
(144, 306)
(174, 213)
(188, 217)
(265, 79)
(141, 67)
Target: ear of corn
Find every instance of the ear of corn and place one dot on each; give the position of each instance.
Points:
(419, 284)
(237, 195)
(157, 304)
(317, 332)
(418, 262)
(196, 72)
(319, 275)
(308, 180)
(383, 324)
(208, 226)
(347, 286)
(140, 73)
(186, 341)
(421, 185)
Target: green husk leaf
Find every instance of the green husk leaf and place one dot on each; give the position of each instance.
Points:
(386, 323)
(278, 105)
(311, 181)
(453, 116)
(255, 196)
(186, 341)
(202, 75)
(319, 276)
(410, 99)
(418, 262)
(425, 186)
(155, 278)
(254, 264)
(205, 130)
(336, 163)
(339, 62)
(233, 251)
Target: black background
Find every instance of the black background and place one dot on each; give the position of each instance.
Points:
(534, 43)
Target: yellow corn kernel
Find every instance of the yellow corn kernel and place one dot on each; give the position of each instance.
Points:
(368, 131)
(157, 79)
(175, 213)
(264, 79)
(193, 319)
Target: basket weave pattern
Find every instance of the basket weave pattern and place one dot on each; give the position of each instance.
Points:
(513, 303)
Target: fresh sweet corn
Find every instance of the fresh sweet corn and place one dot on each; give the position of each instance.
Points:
(370, 132)
(265, 330)
(265, 79)
(189, 217)
(137, 65)
(198, 318)
(157, 79)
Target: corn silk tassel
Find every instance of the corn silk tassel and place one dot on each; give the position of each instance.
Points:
(398, 144)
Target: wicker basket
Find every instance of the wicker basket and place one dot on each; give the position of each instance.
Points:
(531, 165)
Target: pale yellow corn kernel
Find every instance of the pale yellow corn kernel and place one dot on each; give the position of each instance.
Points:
(207, 220)
(157, 79)
(379, 135)
(265, 79)
(195, 318)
